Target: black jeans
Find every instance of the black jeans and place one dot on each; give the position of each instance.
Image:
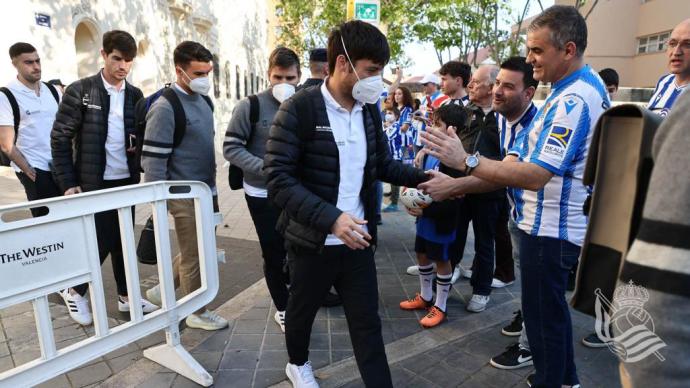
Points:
(483, 213)
(43, 187)
(265, 217)
(353, 273)
(505, 265)
(395, 194)
(109, 242)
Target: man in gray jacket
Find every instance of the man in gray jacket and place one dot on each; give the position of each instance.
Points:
(193, 158)
(244, 147)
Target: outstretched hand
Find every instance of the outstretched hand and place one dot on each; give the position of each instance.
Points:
(445, 146)
(440, 186)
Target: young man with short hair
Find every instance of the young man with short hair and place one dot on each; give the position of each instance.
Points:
(610, 78)
(455, 76)
(93, 148)
(27, 146)
(671, 85)
(192, 159)
(318, 68)
(325, 150)
(544, 168)
(245, 147)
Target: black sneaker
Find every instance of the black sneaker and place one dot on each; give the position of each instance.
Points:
(593, 341)
(514, 357)
(515, 327)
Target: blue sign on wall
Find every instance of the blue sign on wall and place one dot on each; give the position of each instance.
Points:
(42, 20)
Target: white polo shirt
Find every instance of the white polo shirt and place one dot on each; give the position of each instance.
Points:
(115, 149)
(350, 137)
(36, 117)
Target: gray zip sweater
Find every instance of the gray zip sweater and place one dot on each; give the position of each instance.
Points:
(245, 149)
(194, 157)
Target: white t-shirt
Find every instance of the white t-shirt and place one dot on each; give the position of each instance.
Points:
(350, 137)
(115, 148)
(37, 114)
(254, 191)
(558, 140)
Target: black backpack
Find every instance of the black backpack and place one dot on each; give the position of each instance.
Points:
(4, 158)
(146, 248)
(142, 108)
(304, 111)
(235, 174)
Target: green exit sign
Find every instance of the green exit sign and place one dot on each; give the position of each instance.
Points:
(367, 12)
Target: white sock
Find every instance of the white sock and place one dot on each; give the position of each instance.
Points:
(442, 290)
(426, 278)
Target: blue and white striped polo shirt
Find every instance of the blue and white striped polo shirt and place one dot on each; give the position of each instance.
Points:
(509, 131)
(558, 140)
(665, 94)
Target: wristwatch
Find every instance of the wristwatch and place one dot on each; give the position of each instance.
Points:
(471, 162)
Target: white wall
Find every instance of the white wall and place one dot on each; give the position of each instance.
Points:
(237, 35)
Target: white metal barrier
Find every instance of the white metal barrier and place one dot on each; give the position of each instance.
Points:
(39, 256)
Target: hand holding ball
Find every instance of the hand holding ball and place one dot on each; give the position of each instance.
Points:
(415, 199)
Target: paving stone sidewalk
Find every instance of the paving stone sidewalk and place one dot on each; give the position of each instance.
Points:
(251, 353)
(18, 339)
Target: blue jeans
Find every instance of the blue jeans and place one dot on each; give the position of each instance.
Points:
(515, 233)
(514, 238)
(544, 266)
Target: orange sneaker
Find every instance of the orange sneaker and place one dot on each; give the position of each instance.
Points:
(416, 303)
(433, 318)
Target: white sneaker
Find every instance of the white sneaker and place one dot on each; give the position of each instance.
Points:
(146, 306)
(466, 273)
(456, 275)
(154, 295)
(301, 376)
(279, 317)
(499, 283)
(78, 307)
(208, 320)
(478, 303)
(413, 270)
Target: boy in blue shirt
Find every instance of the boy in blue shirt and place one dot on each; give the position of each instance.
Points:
(436, 233)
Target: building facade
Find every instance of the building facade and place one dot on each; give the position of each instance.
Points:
(67, 35)
(630, 36)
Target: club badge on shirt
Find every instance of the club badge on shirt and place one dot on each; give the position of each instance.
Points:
(557, 142)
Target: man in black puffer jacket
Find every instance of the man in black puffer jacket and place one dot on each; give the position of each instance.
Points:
(92, 144)
(325, 151)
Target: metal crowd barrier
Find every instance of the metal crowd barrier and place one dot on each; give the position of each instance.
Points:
(40, 256)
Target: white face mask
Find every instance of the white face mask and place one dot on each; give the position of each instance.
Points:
(282, 91)
(200, 85)
(366, 90)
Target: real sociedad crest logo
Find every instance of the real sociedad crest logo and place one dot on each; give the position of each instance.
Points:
(637, 339)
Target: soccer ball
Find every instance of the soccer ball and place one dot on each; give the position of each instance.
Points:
(414, 199)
